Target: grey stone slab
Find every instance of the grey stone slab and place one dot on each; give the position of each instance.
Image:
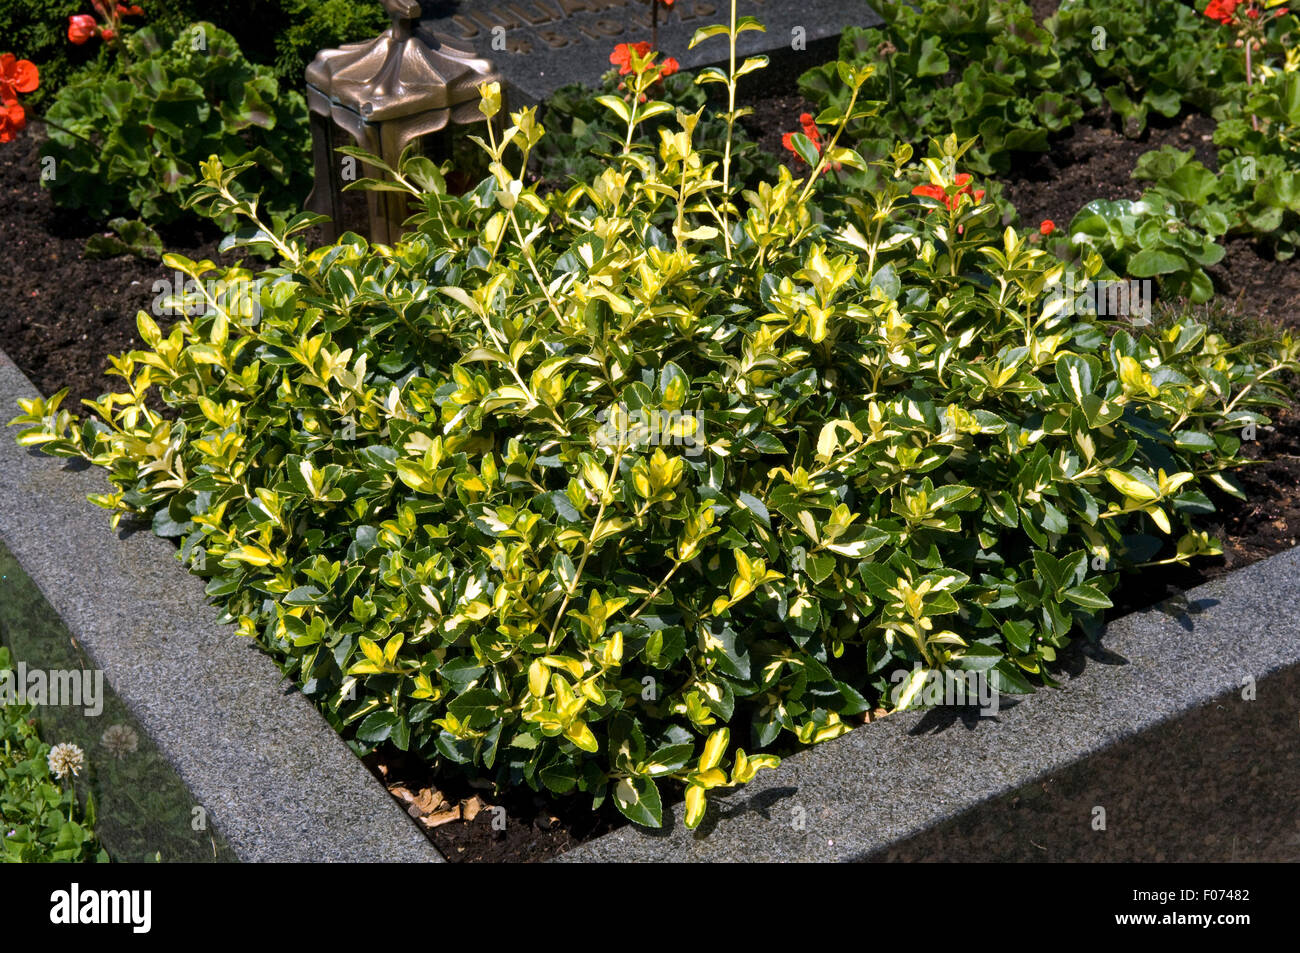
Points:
(274, 778)
(1153, 728)
(550, 43)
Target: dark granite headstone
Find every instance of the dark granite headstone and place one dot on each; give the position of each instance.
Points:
(541, 45)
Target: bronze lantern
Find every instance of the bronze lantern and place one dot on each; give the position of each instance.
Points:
(384, 94)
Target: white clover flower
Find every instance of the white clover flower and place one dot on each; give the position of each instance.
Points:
(66, 759)
(120, 740)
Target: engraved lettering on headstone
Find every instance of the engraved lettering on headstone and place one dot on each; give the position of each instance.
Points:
(527, 12)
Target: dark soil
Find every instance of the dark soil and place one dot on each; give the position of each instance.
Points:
(1093, 160)
(1042, 9)
(773, 117)
(1251, 282)
(468, 822)
(61, 314)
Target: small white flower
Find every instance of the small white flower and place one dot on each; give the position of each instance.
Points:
(66, 759)
(120, 740)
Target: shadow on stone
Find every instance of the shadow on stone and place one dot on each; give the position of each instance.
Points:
(735, 803)
(941, 719)
(1180, 610)
(1216, 785)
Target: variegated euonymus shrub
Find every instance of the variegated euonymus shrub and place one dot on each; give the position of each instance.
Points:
(624, 483)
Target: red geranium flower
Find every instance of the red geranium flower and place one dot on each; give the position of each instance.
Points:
(1047, 227)
(668, 67)
(12, 120)
(81, 27)
(810, 130)
(622, 55)
(940, 194)
(1221, 10)
(17, 76)
(810, 127)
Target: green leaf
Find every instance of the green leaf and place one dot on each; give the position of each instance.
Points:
(376, 728)
(637, 799)
(616, 105)
(1089, 597)
(1153, 261)
(476, 708)
(805, 149)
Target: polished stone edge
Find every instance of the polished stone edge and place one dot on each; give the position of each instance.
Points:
(276, 781)
(890, 780)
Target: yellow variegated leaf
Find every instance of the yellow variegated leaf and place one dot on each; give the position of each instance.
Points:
(696, 802)
(1131, 487)
(582, 736)
(538, 676)
(715, 748)
(1159, 517)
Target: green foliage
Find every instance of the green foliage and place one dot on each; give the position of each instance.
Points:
(126, 237)
(282, 34)
(1261, 166)
(305, 27)
(581, 133)
(1146, 57)
(1256, 193)
(130, 142)
(983, 68)
(1170, 233)
(616, 485)
(40, 819)
(976, 68)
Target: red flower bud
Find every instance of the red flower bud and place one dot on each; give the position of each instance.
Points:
(81, 27)
(1047, 227)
